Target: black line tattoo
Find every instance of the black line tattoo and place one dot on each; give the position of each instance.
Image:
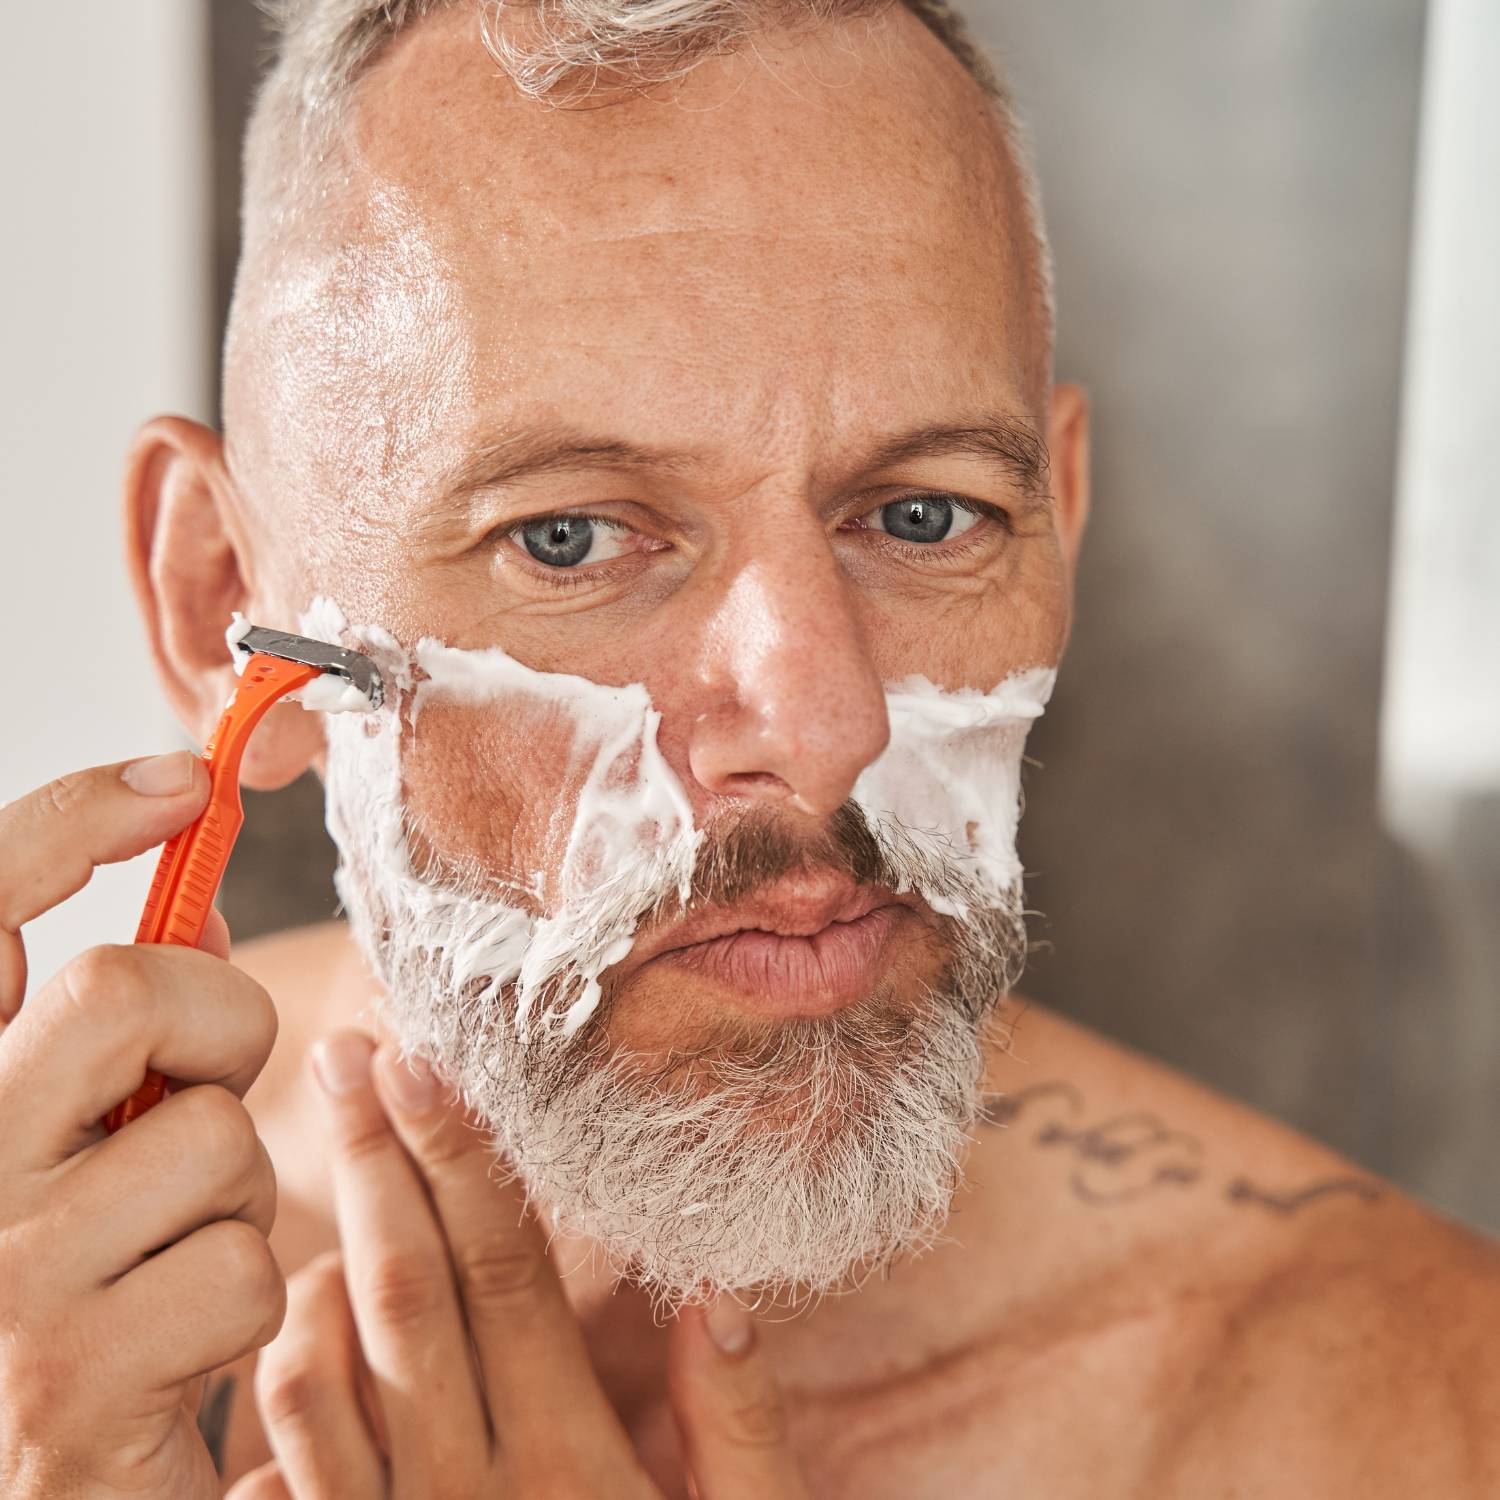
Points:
(1242, 1190)
(1003, 1109)
(1129, 1156)
(1118, 1160)
(213, 1419)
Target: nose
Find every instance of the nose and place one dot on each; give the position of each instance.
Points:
(793, 708)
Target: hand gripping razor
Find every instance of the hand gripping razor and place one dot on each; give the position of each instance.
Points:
(271, 665)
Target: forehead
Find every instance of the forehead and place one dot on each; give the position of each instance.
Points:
(817, 233)
(804, 173)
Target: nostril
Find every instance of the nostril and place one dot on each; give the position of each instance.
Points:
(756, 784)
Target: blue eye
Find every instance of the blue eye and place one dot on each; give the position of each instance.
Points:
(923, 518)
(558, 541)
(567, 541)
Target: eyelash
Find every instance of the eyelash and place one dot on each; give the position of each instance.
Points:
(572, 578)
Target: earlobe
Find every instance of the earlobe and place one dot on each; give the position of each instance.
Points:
(1068, 447)
(190, 569)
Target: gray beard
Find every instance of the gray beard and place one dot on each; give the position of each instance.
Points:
(785, 1165)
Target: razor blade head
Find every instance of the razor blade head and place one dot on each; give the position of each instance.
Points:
(358, 671)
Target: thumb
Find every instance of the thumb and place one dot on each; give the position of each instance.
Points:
(729, 1407)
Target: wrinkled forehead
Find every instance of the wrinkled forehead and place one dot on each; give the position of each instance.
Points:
(801, 243)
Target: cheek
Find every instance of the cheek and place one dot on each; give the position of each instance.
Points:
(492, 790)
(974, 632)
(1037, 612)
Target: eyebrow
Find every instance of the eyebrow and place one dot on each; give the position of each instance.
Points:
(550, 450)
(1008, 443)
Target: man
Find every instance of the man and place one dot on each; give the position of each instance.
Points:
(718, 401)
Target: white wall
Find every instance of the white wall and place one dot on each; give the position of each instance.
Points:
(1441, 729)
(1440, 742)
(104, 263)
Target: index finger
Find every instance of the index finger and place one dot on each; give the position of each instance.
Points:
(529, 1345)
(53, 839)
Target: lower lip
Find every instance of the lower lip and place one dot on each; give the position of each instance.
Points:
(795, 976)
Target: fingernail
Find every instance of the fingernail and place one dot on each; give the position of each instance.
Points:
(342, 1063)
(162, 775)
(412, 1082)
(729, 1325)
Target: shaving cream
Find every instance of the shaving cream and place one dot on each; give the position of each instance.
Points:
(947, 788)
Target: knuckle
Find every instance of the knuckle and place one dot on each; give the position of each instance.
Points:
(222, 1130)
(442, 1143)
(247, 1268)
(291, 1393)
(495, 1275)
(62, 795)
(105, 982)
(758, 1421)
(261, 1189)
(404, 1288)
(367, 1137)
(267, 1022)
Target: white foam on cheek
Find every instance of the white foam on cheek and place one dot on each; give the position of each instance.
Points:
(630, 806)
(632, 823)
(948, 782)
(951, 774)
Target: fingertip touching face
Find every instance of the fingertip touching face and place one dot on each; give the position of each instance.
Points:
(736, 390)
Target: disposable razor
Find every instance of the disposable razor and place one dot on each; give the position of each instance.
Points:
(271, 665)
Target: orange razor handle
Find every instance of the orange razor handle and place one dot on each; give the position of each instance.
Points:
(192, 863)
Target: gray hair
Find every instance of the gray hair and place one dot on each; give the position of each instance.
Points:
(569, 46)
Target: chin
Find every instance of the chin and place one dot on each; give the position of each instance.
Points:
(778, 1159)
(706, 1144)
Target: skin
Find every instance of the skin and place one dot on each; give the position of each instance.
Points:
(776, 268)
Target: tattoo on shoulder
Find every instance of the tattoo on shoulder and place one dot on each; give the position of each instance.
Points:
(1125, 1157)
(213, 1418)
(1242, 1190)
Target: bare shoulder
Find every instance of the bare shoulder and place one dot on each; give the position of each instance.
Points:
(307, 972)
(313, 978)
(300, 961)
(1327, 1333)
(1367, 1361)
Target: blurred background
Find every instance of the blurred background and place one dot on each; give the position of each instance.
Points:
(1264, 818)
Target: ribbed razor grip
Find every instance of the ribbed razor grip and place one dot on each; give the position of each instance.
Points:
(192, 864)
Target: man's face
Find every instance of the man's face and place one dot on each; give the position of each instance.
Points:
(732, 392)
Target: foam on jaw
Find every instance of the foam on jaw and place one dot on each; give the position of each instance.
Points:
(947, 786)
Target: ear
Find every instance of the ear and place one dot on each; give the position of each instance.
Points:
(1068, 449)
(191, 568)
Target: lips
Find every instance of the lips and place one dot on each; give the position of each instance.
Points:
(807, 945)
